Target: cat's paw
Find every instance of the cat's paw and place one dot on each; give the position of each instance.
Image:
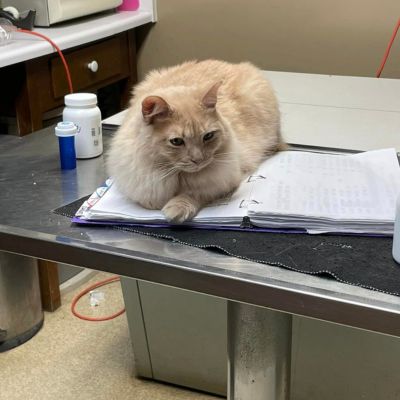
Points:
(180, 209)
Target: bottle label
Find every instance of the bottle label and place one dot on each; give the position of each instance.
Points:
(88, 141)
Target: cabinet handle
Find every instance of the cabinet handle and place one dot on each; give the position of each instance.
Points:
(93, 66)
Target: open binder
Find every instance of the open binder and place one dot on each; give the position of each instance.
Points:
(293, 191)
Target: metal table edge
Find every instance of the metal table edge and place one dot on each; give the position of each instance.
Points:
(319, 304)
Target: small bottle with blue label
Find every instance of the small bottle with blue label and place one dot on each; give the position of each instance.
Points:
(66, 131)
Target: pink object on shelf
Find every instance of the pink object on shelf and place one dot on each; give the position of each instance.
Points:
(129, 5)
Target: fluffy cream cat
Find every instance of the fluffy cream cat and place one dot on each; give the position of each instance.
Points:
(192, 133)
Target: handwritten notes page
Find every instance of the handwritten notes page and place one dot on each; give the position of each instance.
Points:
(328, 193)
(293, 189)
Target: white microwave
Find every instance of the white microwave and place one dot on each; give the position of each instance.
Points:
(49, 12)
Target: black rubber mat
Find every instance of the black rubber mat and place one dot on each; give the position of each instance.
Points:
(355, 260)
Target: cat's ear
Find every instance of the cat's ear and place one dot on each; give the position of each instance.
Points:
(155, 108)
(209, 101)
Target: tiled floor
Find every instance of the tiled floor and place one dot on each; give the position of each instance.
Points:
(74, 359)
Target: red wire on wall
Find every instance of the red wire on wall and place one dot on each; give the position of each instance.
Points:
(67, 72)
(387, 51)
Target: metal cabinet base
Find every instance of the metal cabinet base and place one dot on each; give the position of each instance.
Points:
(178, 336)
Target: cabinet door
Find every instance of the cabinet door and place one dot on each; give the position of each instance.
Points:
(185, 334)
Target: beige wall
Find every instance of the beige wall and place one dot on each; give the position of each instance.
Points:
(345, 37)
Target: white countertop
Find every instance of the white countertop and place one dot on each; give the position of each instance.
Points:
(347, 112)
(334, 111)
(70, 34)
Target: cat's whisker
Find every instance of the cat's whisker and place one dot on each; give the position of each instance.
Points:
(166, 169)
(168, 173)
(225, 154)
(233, 159)
(224, 159)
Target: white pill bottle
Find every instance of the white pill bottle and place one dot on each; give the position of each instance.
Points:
(82, 110)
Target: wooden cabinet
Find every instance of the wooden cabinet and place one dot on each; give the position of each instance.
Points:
(39, 85)
(31, 88)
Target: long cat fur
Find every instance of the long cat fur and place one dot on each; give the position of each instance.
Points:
(186, 102)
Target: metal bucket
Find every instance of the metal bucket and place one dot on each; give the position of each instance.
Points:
(21, 315)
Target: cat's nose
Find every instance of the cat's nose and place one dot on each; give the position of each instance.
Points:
(196, 156)
(197, 160)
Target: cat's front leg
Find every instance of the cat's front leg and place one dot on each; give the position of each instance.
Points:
(181, 208)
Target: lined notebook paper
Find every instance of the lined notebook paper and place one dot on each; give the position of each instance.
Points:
(315, 192)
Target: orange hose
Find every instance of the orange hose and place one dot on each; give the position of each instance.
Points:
(87, 290)
(66, 68)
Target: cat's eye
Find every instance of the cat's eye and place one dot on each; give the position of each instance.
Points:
(209, 136)
(177, 141)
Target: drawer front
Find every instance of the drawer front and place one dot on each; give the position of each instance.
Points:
(111, 56)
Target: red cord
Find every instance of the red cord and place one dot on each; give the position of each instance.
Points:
(87, 290)
(389, 46)
(71, 90)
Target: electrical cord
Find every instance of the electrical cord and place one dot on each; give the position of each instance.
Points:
(87, 290)
(66, 68)
(387, 51)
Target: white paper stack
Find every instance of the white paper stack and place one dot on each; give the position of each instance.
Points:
(329, 193)
(316, 192)
(108, 204)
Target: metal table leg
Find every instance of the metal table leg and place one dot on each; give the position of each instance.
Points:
(21, 314)
(259, 353)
